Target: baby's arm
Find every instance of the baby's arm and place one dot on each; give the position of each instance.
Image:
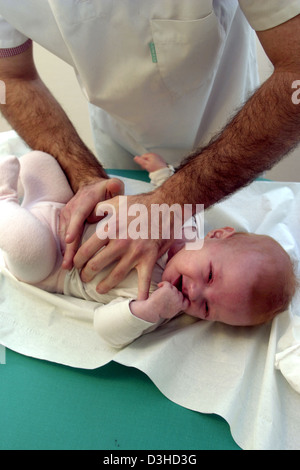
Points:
(150, 161)
(116, 324)
(159, 170)
(122, 321)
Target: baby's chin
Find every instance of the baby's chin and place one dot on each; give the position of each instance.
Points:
(190, 310)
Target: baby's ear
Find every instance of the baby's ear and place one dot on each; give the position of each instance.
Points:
(221, 233)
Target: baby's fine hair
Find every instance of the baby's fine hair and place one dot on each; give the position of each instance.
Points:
(278, 270)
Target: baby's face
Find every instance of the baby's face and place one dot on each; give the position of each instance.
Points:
(216, 283)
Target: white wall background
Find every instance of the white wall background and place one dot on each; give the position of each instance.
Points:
(61, 80)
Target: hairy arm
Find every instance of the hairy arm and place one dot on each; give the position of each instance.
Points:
(41, 122)
(265, 129)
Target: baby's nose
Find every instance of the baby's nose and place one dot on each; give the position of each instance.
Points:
(195, 291)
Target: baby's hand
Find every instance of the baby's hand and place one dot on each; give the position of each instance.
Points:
(150, 161)
(164, 303)
(168, 300)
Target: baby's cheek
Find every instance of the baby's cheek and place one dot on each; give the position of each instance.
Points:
(194, 311)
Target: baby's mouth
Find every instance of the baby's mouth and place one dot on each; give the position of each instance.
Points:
(178, 284)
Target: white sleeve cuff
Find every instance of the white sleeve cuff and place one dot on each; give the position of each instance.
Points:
(267, 14)
(158, 177)
(10, 38)
(117, 325)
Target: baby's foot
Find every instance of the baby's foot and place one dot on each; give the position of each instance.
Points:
(9, 174)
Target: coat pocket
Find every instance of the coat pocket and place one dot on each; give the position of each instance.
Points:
(187, 52)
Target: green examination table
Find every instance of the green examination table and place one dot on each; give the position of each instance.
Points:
(47, 406)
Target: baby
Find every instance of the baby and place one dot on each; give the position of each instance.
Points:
(236, 278)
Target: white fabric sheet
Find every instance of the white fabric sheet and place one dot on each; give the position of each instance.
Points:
(249, 376)
(2, 355)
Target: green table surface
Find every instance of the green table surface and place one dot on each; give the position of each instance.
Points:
(134, 174)
(47, 406)
(50, 406)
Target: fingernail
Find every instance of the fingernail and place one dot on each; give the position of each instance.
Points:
(101, 290)
(64, 265)
(84, 278)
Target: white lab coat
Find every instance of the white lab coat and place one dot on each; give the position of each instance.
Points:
(161, 76)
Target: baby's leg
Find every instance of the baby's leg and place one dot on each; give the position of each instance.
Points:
(27, 243)
(43, 179)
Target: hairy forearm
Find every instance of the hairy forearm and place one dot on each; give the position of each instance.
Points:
(41, 122)
(263, 131)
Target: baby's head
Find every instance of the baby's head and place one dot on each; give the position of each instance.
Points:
(236, 278)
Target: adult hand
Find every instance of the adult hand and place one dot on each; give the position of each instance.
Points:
(81, 208)
(139, 253)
